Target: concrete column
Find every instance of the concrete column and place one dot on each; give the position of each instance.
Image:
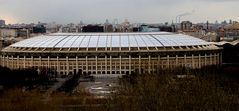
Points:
(215, 59)
(48, 62)
(130, 65)
(81, 65)
(120, 64)
(193, 63)
(40, 61)
(91, 67)
(58, 65)
(32, 61)
(115, 67)
(199, 63)
(221, 59)
(87, 65)
(124, 64)
(205, 60)
(77, 65)
(18, 66)
(158, 64)
(8, 61)
(140, 64)
(96, 65)
(210, 59)
(149, 65)
(105, 64)
(110, 64)
(67, 65)
(12, 66)
(168, 61)
(185, 59)
(101, 67)
(24, 62)
(176, 65)
(64, 67)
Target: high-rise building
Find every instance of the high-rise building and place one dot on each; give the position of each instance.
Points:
(108, 27)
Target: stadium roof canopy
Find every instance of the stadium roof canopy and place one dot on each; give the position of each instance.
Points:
(113, 40)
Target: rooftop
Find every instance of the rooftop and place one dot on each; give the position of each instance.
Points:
(114, 40)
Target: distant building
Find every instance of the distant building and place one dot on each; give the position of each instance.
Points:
(156, 28)
(39, 29)
(229, 32)
(203, 31)
(93, 28)
(135, 29)
(15, 32)
(2, 23)
(167, 28)
(25, 32)
(125, 26)
(8, 32)
(186, 26)
(108, 28)
(52, 28)
(148, 28)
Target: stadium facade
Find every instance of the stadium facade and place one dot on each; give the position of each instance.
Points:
(110, 53)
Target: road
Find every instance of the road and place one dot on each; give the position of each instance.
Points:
(101, 87)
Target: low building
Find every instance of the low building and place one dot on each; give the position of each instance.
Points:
(8, 32)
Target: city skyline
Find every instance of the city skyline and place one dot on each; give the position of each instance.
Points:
(136, 11)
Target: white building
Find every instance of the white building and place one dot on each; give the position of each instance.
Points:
(6, 32)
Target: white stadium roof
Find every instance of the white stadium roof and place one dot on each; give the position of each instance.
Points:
(114, 40)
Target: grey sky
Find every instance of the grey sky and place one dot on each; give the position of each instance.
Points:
(97, 11)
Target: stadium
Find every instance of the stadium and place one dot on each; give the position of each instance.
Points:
(110, 53)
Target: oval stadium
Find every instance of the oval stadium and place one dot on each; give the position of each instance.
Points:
(110, 53)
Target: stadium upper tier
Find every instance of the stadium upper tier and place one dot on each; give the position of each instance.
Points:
(108, 41)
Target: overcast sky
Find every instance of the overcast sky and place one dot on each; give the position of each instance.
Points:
(97, 11)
